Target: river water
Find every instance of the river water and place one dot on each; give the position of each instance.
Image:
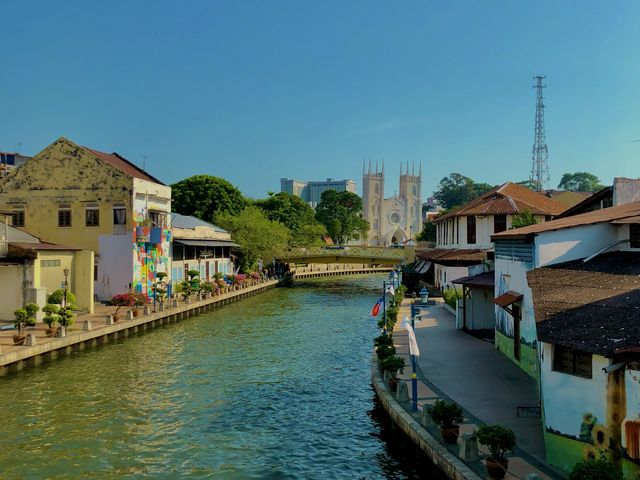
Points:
(276, 386)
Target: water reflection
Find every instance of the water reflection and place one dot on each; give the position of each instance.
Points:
(276, 386)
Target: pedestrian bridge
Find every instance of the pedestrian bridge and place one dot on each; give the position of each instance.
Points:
(348, 254)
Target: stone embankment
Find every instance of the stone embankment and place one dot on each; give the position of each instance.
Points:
(98, 329)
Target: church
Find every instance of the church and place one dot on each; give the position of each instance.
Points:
(392, 220)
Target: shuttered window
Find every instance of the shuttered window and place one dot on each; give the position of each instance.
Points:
(571, 361)
(471, 229)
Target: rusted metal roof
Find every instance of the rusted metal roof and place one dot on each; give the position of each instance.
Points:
(125, 166)
(481, 280)
(507, 298)
(440, 255)
(593, 306)
(508, 199)
(610, 214)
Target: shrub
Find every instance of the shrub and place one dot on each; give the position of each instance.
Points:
(21, 319)
(31, 309)
(51, 314)
(208, 287)
(385, 351)
(593, 469)
(446, 414)
(140, 299)
(392, 364)
(382, 340)
(123, 300)
(498, 439)
(56, 297)
(451, 296)
(66, 317)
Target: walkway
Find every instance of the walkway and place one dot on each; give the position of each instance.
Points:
(470, 372)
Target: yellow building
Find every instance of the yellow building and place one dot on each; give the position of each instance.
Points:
(77, 196)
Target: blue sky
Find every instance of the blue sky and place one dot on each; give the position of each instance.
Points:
(252, 91)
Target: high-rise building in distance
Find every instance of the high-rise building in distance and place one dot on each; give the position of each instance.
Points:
(311, 191)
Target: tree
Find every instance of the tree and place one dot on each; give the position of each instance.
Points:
(530, 184)
(341, 214)
(580, 182)
(428, 233)
(523, 219)
(258, 237)
(456, 190)
(296, 215)
(204, 196)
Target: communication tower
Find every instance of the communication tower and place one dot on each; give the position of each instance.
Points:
(540, 153)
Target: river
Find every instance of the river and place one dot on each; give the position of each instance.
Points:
(276, 386)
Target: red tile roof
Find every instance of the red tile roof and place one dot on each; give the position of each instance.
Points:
(439, 255)
(508, 199)
(124, 165)
(611, 214)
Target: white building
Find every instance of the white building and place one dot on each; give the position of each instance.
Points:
(311, 192)
(396, 219)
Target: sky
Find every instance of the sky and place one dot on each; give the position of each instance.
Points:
(253, 91)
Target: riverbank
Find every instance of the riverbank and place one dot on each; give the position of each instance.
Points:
(484, 394)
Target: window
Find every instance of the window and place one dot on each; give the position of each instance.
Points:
(634, 235)
(573, 362)
(64, 217)
(186, 271)
(158, 219)
(471, 229)
(92, 217)
(119, 216)
(499, 223)
(17, 218)
(49, 263)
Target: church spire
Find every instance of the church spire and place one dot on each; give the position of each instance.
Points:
(413, 168)
(376, 166)
(420, 171)
(369, 166)
(383, 167)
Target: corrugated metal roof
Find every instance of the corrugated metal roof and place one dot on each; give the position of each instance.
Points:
(507, 298)
(453, 254)
(610, 214)
(190, 222)
(508, 199)
(206, 243)
(482, 280)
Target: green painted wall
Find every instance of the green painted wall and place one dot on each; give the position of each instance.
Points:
(528, 356)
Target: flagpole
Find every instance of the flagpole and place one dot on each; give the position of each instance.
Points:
(414, 377)
(384, 307)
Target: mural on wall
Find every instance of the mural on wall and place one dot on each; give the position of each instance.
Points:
(151, 249)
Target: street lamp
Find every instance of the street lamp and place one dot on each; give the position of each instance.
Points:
(424, 295)
(66, 286)
(393, 278)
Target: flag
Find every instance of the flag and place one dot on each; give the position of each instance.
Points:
(413, 344)
(376, 308)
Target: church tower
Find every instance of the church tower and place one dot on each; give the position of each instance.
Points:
(372, 201)
(410, 192)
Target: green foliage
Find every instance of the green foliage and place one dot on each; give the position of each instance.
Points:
(446, 414)
(428, 233)
(56, 297)
(207, 287)
(51, 314)
(451, 296)
(31, 309)
(456, 190)
(295, 214)
(392, 364)
(341, 214)
(259, 237)
(383, 340)
(66, 316)
(161, 276)
(206, 196)
(384, 351)
(399, 294)
(529, 183)
(593, 469)
(580, 182)
(523, 219)
(498, 439)
(21, 319)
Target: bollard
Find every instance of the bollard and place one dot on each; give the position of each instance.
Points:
(425, 418)
(146, 310)
(30, 340)
(109, 319)
(130, 315)
(161, 307)
(402, 394)
(87, 326)
(174, 302)
(208, 295)
(187, 301)
(386, 376)
(469, 448)
(61, 332)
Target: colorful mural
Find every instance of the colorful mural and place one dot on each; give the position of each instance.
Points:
(151, 254)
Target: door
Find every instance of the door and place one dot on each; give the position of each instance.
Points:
(516, 331)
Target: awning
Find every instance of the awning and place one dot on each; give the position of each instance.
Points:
(507, 299)
(482, 280)
(422, 266)
(205, 243)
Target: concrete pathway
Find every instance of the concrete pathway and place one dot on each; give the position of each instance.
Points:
(470, 372)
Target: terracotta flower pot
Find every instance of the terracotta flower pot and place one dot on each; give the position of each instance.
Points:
(136, 312)
(450, 434)
(497, 468)
(51, 331)
(393, 384)
(19, 339)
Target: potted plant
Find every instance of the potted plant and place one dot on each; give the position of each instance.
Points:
(122, 300)
(392, 364)
(160, 287)
(65, 319)
(384, 346)
(50, 318)
(499, 440)
(139, 300)
(56, 297)
(20, 323)
(448, 416)
(595, 469)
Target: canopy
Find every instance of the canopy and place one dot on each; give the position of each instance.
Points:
(205, 243)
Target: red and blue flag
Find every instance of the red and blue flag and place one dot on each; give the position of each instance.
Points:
(375, 311)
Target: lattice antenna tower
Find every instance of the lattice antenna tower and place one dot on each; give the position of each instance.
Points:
(540, 153)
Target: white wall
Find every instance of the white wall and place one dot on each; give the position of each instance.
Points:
(512, 275)
(559, 246)
(115, 266)
(11, 279)
(444, 274)
(567, 397)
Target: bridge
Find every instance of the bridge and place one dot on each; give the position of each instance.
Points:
(349, 254)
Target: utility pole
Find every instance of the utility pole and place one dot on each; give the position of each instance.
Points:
(540, 152)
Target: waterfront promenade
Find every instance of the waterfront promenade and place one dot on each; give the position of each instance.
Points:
(458, 367)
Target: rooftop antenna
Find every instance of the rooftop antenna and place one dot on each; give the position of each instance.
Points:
(144, 163)
(540, 152)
